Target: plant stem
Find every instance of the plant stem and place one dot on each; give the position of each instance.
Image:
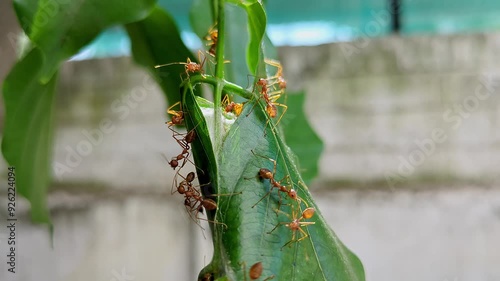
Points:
(219, 73)
(227, 86)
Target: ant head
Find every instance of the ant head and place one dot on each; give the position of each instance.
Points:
(187, 202)
(262, 82)
(173, 163)
(190, 177)
(214, 35)
(229, 107)
(308, 213)
(293, 194)
(177, 119)
(192, 66)
(265, 173)
(282, 82)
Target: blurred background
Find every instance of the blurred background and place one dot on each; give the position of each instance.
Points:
(406, 101)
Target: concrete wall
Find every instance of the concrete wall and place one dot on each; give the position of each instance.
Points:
(115, 219)
(404, 108)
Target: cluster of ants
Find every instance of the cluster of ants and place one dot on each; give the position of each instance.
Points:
(270, 90)
(193, 199)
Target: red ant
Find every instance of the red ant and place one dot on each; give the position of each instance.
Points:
(296, 224)
(184, 143)
(255, 271)
(189, 66)
(231, 106)
(279, 73)
(193, 200)
(212, 37)
(270, 99)
(267, 174)
(177, 116)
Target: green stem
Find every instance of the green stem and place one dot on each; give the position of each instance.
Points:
(219, 73)
(226, 86)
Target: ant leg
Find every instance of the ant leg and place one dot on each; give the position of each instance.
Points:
(285, 108)
(291, 241)
(270, 159)
(280, 223)
(267, 194)
(225, 194)
(304, 235)
(202, 63)
(256, 102)
(174, 112)
(279, 119)
(211, 221)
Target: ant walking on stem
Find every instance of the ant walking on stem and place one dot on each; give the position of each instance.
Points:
(296, 224)
(212, 37)
(189, 66)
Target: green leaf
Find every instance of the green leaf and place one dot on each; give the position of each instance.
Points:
(256, 27)
(237, 44)
(27, 140)
(61, 28)
(25, 11)
(156, 40)
(301, 138)
(245, 149)
(320, 256)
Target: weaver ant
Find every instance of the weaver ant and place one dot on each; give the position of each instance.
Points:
(267, 174)
(189, 66)
(184, 141)
(270, 99)
(213, 35)
(255, 271)
(279, 73)
(231, 106)
(296, 224)
(177, 115)
(193, 200)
